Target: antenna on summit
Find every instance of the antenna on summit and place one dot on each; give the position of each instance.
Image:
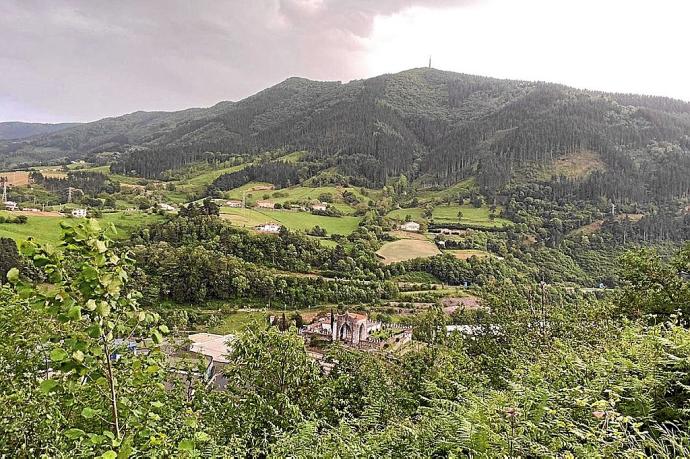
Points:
(429, 61)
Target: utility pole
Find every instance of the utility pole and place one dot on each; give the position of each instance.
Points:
(543, 308)
(4, 189)
(613, 210)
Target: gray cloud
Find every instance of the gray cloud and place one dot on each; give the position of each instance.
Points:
(66, 60)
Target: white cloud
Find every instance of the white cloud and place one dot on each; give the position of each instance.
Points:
(614, 45)
(77, 60)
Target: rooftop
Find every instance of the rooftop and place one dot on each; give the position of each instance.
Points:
(214, 346)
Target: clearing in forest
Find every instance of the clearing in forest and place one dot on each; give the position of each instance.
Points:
(577, 165)
(407, 249)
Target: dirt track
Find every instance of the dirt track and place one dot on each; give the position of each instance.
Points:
(39, 213)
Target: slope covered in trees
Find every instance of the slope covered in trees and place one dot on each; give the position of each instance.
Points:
(428, 124)
(575, 377)
(18, 130)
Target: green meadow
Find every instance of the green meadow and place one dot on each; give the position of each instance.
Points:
(470, 215)
(45, 229)
(449, 214)
(293, 220)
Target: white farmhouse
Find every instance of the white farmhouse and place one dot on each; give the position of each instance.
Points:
(10, 205)
(269, 228)
(79, 213)
(321, 206)
(410, 226)
(233, 203)
(166, 207)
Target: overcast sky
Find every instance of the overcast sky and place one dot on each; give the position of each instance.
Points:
(82, 60)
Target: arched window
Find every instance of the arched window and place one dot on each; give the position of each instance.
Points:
(345, 332)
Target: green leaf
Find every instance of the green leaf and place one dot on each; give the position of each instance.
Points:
(101, 247)
(93, 226)
(94, 331)
(152, 369)
(164, 329)
(13, 275)
(78, 356)
(156, 336)
(96, 439)
(186, 445)
(27, 248)
(47, 385)
(202, 437)
(73, 434)
(88, 413)
(109, 455)
(103, 309)
(58, 355)
(126, 450)
(157, 404)
(74, 312)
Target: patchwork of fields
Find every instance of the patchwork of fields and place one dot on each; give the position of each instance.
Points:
(191, 183)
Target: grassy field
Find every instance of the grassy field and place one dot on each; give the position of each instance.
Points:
(414, 212)
(243, 217)
(453, 191)
(199, 182)
(45, 229)
(291, 220)
(468, 253)
(252, 191)
(255, 191)
(407, 249)
(470, 215)
(325, 242)
(16, 178)
(292, 157)
(449, 214)
(236, 321)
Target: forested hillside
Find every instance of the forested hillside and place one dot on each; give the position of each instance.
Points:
(433, 126)
(18, 130)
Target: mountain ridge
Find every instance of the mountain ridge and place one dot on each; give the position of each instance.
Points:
(429, 124)
(14, 130)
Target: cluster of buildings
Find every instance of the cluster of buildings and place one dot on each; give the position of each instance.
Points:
(354, 329)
